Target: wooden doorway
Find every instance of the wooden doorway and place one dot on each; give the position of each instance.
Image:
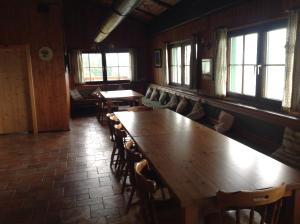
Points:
(17, 106)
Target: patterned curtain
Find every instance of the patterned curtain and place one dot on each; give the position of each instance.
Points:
(221, 63)
(291, 87)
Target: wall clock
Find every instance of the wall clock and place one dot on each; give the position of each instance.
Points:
(45, 53)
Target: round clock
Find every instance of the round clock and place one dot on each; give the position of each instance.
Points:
(45, 53)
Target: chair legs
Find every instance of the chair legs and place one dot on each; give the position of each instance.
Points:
(114, 153)
(129, 203)
(125, 178)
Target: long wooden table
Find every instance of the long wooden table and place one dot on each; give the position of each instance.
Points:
(196, 162)
(119, 95)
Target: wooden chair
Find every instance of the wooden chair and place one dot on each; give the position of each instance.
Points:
(258, 207)
(154, 211)
(120, 134)
(132, 157)
(102, 108)
(112, 120)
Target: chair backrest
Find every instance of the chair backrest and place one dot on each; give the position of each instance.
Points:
(144, 184)
(267, 202)
(132, 157)
(145, 188)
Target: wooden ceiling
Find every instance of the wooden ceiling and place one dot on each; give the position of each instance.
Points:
(147, 10)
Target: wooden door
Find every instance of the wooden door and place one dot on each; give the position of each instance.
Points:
(15, 97)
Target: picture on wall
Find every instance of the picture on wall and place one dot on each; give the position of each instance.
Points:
(157, 58)
(207, 68)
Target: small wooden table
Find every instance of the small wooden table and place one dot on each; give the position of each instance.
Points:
(120, 95)
(196, 162)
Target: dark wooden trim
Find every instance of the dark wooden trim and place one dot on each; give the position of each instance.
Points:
(164, 4)
(145, 12)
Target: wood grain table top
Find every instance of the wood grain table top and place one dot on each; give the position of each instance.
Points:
(196, 162)
(119, 94)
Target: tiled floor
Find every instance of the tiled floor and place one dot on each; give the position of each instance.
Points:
(60, 177)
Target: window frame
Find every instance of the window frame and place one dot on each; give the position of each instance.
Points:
(261, 30)
(182, 45)
(104, 67)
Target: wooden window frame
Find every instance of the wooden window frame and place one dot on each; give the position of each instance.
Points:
(182, 45)
(258, 99)
(104, 67)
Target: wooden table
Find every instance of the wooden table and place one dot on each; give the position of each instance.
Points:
(119, 95)
(196, 162)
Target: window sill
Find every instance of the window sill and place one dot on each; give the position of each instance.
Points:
(283, 119)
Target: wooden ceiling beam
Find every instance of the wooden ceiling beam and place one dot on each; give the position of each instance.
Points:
(162, 3)
(145, 12)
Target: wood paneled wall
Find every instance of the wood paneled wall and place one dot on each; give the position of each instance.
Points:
(244, 13)
(21, 23)
(82, 20)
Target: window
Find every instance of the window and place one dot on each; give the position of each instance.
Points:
(257, 63)
(97, 67)
(92, 67)
(118, 66)
(180, 66)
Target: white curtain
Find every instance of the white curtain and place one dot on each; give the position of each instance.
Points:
(292, 29)
(165, 65)
(221, 63)
(133, 65)
(77, 57)
(296, 79)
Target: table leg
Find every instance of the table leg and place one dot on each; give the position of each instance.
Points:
(297, 207)
(109, 106)
(190, 215)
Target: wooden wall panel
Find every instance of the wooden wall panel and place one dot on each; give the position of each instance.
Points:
(15, 110)
(21, 23)
(244, 13)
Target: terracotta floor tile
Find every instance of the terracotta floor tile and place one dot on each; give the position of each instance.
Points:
(59, 177)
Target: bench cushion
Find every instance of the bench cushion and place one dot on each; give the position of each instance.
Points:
(289, 151)
(182, 106)
(197, 112)
(76, 95)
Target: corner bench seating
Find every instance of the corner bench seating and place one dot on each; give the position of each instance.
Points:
(87, 102)
(259, 129)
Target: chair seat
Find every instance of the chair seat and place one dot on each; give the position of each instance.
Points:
(230, 217)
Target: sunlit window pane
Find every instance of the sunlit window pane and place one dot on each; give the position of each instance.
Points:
(118, 66)
(112, 59)
(176, 65)
(276, 40)
(187, 70)
(85, 60)
(124, 72)
(123, 59)
(236, 51)
(95, 60)
(250, 48)
(112, 73)
(274, 82)
(249, 80)
(92, 67)
(86, 74)
(236, 79)
(187, 55)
